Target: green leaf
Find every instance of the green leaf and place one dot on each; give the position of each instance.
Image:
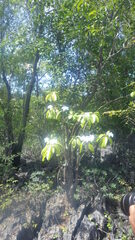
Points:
(78, 141)
(97, 117)
(54, 96)
(79, 4)
(132, 94)
(51, 97)
(58, 114)
(49, 152)
(81, 145)
(93, 118)
(110, 140)
(91, 148)
(89, 123)
(48, 114)
(53, 113)
(43, 153)
(51, 148)
(99, 137)
(79, 117)
(48, 98)
(92, 13)
(104, 142)
(73, 143)
(82, 123)
(58, 149)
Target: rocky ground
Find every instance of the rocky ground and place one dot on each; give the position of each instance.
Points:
(41, 218)
(37, 215)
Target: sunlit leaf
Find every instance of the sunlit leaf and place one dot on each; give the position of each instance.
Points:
(78, 141)
(54, 96)
(51, 97)
(93, 118)
(73, 143)
(92, 13)
(104, 142)
(43, 153)
(81, 145)
(82, 123)
(58, 114)
(99, 137)
(132, 94)
(48, 114)
(49, 152)
(91, 148)
(53, 146)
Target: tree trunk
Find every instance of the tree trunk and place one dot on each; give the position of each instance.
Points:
(17, 148)
(8, 114)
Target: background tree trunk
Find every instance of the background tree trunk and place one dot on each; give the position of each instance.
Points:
(17, 148)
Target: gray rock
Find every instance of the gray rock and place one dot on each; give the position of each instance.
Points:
(22, 219)
(87, 230)
(34, 218)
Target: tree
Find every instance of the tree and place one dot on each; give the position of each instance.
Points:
(95, 42)
(81, 45)
(71, 138)
(19, 56)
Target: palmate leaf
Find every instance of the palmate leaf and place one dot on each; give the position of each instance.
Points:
(79, 142)
(87, 118)
(99, 137)
(50, 149)
(48, 114)
(103, 142)
(51, 97)
(76, 142)
(95, 117)
(47, 152)
(91, 148)
(103, 139)
(53, 113)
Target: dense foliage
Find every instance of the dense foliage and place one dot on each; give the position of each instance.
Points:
(67, 72)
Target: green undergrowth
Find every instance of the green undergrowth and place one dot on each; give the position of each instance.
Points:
(38, 182)
(6, 163)
(7, 193)
(102, 181)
